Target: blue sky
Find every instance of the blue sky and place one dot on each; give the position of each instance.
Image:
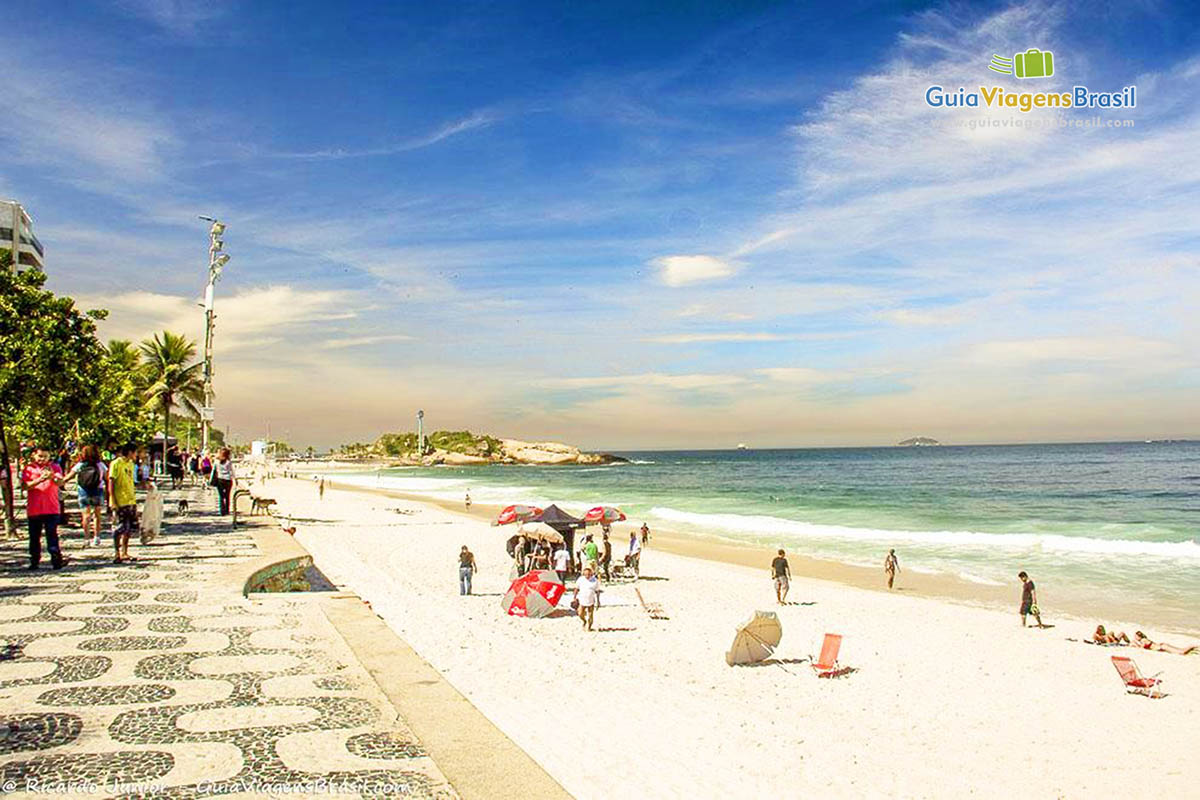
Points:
(629, 225)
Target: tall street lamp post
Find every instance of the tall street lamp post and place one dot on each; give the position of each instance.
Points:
(217, 260)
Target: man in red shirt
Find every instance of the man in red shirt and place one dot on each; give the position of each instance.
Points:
(41, 480)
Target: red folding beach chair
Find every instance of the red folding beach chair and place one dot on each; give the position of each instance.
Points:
(1132, 677)
(827, 665)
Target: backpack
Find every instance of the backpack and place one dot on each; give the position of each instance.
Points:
(89, 477)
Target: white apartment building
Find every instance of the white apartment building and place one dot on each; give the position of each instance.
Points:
(16, 234)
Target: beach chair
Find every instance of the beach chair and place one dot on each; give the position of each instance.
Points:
(827, 665)
(1135, 682)
(655, 610)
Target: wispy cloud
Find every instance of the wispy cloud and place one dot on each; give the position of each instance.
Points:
(735, 336)
(476, 121)
(178, 17)
(364, 341)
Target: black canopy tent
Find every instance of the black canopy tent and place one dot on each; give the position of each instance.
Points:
(564, 523)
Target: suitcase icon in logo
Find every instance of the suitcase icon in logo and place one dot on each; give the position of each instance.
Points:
(1034, 63)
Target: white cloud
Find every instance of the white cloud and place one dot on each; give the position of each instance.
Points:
(1071, 348)
(650, 379)
(179, 17)
(363, 341)
(684, 270)
(245, 321)
(733, 336)
(477, 120)
(925, 316)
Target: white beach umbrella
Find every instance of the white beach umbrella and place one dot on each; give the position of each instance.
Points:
(755, 639)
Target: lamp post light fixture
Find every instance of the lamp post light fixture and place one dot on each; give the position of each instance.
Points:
(217, 259)
(420, 433)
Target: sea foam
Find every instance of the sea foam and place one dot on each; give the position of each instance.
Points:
(776, 526)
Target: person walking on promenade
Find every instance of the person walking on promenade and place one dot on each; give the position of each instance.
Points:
(223, 477)
(91, 475)
(1029, 603)
(587, 595)
(175, 466)
(891, 565)
(781, 573)
(122, 499)
(634, 558)
(41, 480)
(466, 569)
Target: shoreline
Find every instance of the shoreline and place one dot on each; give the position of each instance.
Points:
(1075, 604)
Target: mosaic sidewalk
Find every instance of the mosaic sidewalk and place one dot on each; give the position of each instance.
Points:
(158, 675)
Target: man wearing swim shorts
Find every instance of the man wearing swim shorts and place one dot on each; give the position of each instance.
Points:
(782, 574)
(1029, 600)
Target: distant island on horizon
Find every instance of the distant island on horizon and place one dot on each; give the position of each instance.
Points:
(463, 448)
(919, 441)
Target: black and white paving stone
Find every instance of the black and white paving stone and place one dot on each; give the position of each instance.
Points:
(158, 673)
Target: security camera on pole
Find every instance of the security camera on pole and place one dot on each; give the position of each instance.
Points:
(216, 262)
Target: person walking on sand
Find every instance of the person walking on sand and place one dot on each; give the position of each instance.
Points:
(41, 480)
(466, 569)
(891, 565)
(634, 557)
(467, 501)
(587, 595)
(1029, 604)
(645, 534)
(321, 488)
(782, 575)
(122, 499)
(562, 560)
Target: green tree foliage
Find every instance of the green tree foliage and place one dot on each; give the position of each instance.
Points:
(464, 442)
(118, 413)
(50, 364)
(396, 444)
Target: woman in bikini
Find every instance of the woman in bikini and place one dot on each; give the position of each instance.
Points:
(1143, 641)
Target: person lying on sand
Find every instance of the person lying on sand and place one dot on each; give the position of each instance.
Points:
(1102, 636)
(1143, 641)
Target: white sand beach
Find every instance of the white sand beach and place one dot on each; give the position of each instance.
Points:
(948, 699)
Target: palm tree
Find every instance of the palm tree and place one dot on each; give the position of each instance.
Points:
(123, 355)
(172, 379)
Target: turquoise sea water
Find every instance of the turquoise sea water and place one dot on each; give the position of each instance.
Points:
(1119, 521)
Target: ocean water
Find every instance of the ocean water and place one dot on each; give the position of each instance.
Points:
(1119, 522)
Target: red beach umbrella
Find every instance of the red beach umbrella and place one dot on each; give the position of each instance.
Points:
(604, 515)
(513, 514)
(534, 594)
